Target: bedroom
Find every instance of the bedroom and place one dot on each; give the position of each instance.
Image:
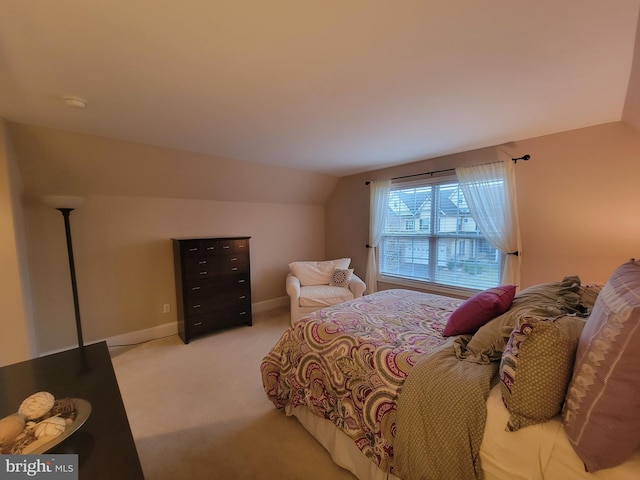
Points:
(576, 199)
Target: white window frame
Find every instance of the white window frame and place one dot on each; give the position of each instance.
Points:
(439, 288)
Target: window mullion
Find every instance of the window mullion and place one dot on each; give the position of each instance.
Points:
(434, 253)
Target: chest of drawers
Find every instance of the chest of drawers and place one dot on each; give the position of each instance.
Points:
(213, 284)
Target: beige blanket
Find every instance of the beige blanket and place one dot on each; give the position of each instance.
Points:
(441, 417)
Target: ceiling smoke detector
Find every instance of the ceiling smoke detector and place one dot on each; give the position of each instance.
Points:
(75, 102)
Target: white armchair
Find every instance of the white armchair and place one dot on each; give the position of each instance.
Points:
(315, 285)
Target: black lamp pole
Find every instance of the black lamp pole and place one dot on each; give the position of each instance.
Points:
(72, 269)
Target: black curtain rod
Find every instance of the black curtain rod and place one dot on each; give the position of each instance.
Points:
(515, 160)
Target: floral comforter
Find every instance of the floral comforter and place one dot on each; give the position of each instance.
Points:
(347, 363)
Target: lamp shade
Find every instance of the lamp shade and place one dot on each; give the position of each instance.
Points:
(63, 201)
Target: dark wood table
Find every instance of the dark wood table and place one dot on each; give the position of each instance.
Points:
(104, 444)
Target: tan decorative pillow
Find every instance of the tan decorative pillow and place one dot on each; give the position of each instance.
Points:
(536, 368)
(341, 277)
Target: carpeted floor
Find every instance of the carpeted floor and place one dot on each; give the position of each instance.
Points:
(198, 411)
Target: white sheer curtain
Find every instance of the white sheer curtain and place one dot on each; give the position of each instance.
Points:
(494, 209)
(379, 190)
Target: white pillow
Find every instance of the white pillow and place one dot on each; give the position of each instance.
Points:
(317, 273)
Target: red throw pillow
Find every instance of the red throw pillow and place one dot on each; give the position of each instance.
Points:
(479, 309)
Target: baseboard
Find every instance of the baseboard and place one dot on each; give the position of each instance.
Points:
(270, 304)
(170, 328)
(140, 336)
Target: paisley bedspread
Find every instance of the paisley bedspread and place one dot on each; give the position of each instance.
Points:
(347, 363)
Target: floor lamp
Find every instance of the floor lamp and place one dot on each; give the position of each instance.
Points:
(66, 204)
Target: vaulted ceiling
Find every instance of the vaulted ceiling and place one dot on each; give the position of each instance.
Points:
(333, 86)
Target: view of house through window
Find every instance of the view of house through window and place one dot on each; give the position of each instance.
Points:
(430, 236)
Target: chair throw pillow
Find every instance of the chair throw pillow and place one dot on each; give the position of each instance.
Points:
(341, 277)
(479, 309)
(536, 367)
(602, 408)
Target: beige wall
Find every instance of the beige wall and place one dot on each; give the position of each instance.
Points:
(124, 260)
(55, 161)
(577, 202)
(17, 339)
(137, 198)
(631, 112)
(577, 199)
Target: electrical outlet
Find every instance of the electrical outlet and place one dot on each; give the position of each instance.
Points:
(166, 308)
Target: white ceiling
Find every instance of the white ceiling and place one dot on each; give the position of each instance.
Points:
(335, 86)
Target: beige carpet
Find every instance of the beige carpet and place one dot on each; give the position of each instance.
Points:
(198, 411)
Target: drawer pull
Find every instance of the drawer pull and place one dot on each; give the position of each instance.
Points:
(197, 306)
(193, 289)
(241, 281)
(226, 247)
(211, 248)
(203, 273)
(193, 249)
(233, 269)
(197, 324)
(242, 297)
(234, 259)
(202, 262)
(243, 313)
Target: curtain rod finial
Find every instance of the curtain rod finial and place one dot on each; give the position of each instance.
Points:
(524, 157)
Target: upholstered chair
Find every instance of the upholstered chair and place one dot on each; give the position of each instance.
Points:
(314, 285)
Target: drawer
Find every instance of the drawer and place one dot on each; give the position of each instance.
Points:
(231, 298)
(217, 301)
(233, 263)
(214, 266)
(199, 274)
(241, 246)
(225, 247)
(199, 286)
(199, 248)
(225, 318)
(234, 316)
(191, 248)
(194, 263)
(238, 245)
(201, 324)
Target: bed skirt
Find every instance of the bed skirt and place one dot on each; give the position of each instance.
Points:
(544, 452)
(340, 446)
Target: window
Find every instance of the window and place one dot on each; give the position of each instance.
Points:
(430, 236)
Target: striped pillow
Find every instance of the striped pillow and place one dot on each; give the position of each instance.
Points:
(602, 409)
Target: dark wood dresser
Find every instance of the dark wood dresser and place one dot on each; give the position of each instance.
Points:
(213, 284)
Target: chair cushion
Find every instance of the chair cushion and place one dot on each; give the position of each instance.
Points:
(317, 273)
(323, 295)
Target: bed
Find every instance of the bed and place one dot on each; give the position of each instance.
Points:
(378, 383)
